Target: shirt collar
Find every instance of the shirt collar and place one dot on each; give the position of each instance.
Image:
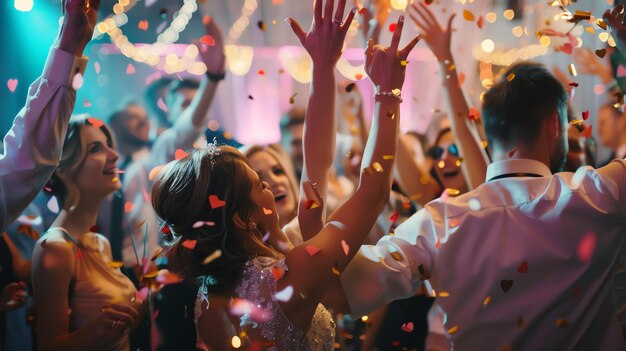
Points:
(514, 166)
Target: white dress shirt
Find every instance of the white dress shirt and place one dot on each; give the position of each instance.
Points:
(32, 148)
(137, 186)
(524, 263)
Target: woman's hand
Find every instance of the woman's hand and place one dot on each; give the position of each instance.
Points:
(386, 66)
(324, 41)
(114, 320)
(212, 55)
(437, 38)
(79, 20)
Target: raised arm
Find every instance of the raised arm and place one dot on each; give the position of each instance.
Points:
(192, 122)
(475, 158)
(32, 148)
(324, 43)
(615, 20)
(339, 240)
(413, 179)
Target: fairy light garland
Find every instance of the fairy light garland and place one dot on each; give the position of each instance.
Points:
(235, 31)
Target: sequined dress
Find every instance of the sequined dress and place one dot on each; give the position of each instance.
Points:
(258, 286)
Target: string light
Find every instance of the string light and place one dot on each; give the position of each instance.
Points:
(23, 5)
(248, 8)
(506, 58)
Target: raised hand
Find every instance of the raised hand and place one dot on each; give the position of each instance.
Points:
(212, 55)
(79, 20)
(588, 63)
(324, 41)
(615, 20)
(437, 38)
(13, 296)
(384, 65)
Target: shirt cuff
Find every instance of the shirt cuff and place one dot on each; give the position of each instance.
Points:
(61, 67)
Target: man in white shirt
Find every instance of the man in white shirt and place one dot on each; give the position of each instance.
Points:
(525, 261)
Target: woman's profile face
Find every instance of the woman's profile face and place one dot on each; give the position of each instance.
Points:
(272, 172)
(97, 175)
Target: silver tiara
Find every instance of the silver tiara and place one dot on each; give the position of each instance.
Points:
(213, 150)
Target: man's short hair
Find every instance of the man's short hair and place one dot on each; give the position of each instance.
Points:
(521, 99)
(293, 117)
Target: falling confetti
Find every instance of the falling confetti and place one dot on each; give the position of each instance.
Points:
(180, 154)
(166, 277)
(468, 15)
(512, 152)
(407, 327)
(77, 81)
(621, 71)
(572, 70)
(311, 250)
(216, 202)
(261, 26)
(377, 167)
(161, 104)
(345, 247)
(261, 72)
(215, 255)
(394, 217)
(523, 268)
(190, 244)
(486, 301)
(12, 84)
(601, 53)
(267, 211)
(285, 294)
(53, 205)
(506, 285)
(481, 22)
(278, 273)
(292, 99)
(128, 206)
(392, 27)
(143, 25)
(166, 230)
(453, 329)
(207, 40)
(96, 66)
(115, 264)
(310, 204)
(358, 76)
(86, 103)
(336, 270)
(585, 115)
(130, 69)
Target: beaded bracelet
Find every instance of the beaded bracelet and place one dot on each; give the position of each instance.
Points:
(394, 93)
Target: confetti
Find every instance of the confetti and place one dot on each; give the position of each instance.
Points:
(336, 270)
(207, 40)
(468, 15)
(486, 301)
(143, 25)
(166, 277)
(190, 244)
(407, 327)
(512, 152)
(523, 268)
(337, 224)
(216, 202)
(510, 77)
(215, 255)
(587, 132)
(586, 247)
(585, 115)
(250, 97)
(394, 217)
(166, 230)
(621, 71)
(86, 103)
(128, 206)
(292, 98)
(180, 154)
(377, 167)
(97, 67)
(278, 273)
(444, 294)
(345, 247)
(311, 250)
(285, 294)
(267, 211)
(453, 192)
(396, 256)
(572, 70)
(310, 204)
(140, 224)
(53, 205)
(454, 222)
(453, 329)
(388, 157)
(161, 104)
(130, 69)
(261, 72)
(601, 53)
(200, 224)
(96, 123)
(261, 26)
(392, 27)
(506, 285)
(206, 19)
(481, 22)
(573, 84)
(350, 87)
(600, 23)
(12, 84)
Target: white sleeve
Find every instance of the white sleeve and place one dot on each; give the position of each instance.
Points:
(393, 268)
(32, 148)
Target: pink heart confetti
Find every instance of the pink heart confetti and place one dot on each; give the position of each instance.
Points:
(621, 71)
(97, 67)
(311, 250)
(53, 205)
(161, 104)
(407, 327)
(267, 211)
(130, 69)
(216, 202)
(12, 84)
(180, 154)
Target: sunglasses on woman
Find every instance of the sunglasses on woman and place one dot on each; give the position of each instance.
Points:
(437, 151)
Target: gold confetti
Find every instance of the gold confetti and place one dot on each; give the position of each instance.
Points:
(425, 179)
(416, 197)
(453, 192)
(572, 70)
(600, 23)
(336, 270)
(292, 99)
(576, 122)
(590, 30)
(453, 329)
(141, 223)
(377, 167)
(396, 256)
(486, 301)
(510, 77)
(391, 114)
(562, 323)
(388, 157)
(444, 294)
(468, 15)
(458, 162)
(403, 63)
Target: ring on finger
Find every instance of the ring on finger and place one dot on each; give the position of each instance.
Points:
(115, 324)
(338, 22)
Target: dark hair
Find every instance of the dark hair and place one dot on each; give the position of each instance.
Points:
(522, 98)
(74, 153)
(293, 117)
(180, 197)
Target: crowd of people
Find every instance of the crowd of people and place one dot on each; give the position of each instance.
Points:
(148, 231)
